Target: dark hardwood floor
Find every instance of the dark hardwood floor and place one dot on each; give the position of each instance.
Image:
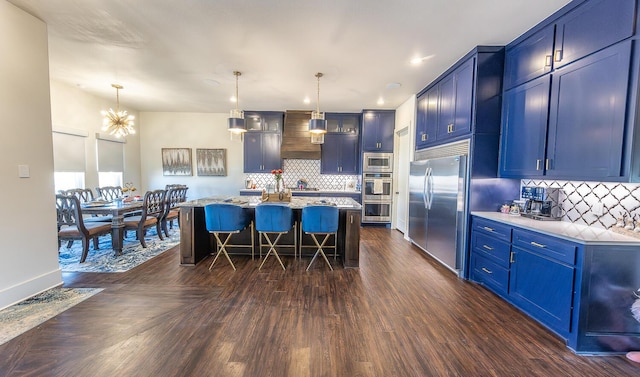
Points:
(399, 314)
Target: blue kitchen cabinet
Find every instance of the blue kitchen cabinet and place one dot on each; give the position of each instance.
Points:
(377, 130)
(567, 36)
(261, 152)
(455, 102)
(587, 116)
(542, 278)
(348, 123)
(593, 25)
(427, 118)
(524, 129)
(262, 141)
(530, 58)
(340, 154)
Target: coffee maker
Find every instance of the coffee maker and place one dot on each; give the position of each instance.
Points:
(541, 203)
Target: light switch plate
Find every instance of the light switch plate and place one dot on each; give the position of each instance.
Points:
(23, 171)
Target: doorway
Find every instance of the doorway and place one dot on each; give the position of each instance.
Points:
(401, 179)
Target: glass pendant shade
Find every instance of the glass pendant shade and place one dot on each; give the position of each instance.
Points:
(236, 122)
(317, 138)
(317, 123)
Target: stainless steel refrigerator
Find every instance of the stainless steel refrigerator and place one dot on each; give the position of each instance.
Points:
(437, 213)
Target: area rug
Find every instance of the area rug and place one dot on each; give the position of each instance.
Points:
(104, 260)
(33, 311)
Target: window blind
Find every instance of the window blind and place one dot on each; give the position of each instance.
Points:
(68, 152)
(110, 156)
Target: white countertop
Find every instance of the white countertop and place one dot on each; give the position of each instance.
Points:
(302, 192)
(563, 229)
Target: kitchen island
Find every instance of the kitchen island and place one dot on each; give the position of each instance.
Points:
(196, 242)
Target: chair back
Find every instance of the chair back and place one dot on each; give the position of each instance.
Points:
(274, 218)
(84, 195)
(68, 212)
(109, 192)
(153, 204)
(173, 197)
(224, 217)
(320, 219)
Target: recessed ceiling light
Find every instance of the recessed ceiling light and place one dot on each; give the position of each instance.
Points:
(233, 99)
(418, 60)
(380, 101)
(307, 100)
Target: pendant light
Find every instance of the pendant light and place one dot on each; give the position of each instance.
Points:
(117, 123)
(317, 123)
(236, 120)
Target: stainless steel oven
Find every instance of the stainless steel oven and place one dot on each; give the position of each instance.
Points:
(379, 212)
(377, 186)
(377, 162)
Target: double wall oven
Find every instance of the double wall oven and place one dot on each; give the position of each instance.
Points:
(377, 187)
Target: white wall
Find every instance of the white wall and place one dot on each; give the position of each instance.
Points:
(28, 255)
(189, 130)
(73, 108)
(405, 117)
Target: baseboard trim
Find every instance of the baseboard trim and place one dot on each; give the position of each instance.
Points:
(19, 292)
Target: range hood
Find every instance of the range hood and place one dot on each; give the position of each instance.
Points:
(296, 139)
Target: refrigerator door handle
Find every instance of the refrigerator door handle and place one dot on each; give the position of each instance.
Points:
(430, 187)
(424, 188)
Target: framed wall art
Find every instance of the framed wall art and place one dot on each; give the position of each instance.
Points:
(211, 162)
(176, 161)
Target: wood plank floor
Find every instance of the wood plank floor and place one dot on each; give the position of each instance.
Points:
(399, 314)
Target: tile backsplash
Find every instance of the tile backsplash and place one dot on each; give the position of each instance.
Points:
(295, 169)
(577, 198)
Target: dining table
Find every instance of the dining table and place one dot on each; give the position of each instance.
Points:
(117, 209)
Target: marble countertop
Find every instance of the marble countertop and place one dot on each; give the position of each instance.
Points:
(562, 229)
(296, 202)
(302, 192)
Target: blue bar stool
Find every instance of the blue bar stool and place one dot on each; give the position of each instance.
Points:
(318, 221)
(275, 220)
(222, 218)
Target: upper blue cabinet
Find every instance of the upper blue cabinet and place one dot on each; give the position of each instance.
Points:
(377, 130)
(588, 28)
(463, 100)
(570, 99)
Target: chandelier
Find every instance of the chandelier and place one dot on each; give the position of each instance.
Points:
(317, 123)
(117, 122)
(236, 120)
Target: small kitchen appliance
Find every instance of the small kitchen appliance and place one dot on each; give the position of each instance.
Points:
(541, 203)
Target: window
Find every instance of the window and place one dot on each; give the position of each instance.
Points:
(68, 159)
(109, 179)
(110, 162)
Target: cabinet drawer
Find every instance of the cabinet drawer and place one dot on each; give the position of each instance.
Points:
(497, 230)
(492, 275)
(492, 248)
(551, 247)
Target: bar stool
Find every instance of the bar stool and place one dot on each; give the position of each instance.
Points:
(222, 218)
(275, 220)
(318, 221)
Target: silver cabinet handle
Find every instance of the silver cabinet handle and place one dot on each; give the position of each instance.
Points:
(538, 162)
(487, 247)
(557, 56)
(351, 219)
(488, 229)
(547, 61)
(547, 164)
(487, 270)
(538, 244)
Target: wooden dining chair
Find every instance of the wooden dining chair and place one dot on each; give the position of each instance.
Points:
(175, 195)
(109, 192)
(151, 215)
(71, 225)
(84, 195)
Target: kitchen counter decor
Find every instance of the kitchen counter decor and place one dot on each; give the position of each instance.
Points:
(278, 196)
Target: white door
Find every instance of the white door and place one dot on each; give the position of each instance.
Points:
(401, 197)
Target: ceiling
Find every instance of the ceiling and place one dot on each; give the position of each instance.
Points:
(179, 56)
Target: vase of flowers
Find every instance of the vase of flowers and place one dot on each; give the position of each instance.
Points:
(277, 174)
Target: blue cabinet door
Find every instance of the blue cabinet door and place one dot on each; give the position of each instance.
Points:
(587, 116)
(543, 288)
(377, 131)
(530, 58)
(261, 152)
(340, 154)
(590, 27)
(463, 77)
(446, 107)
(524, 127)
(427, 118)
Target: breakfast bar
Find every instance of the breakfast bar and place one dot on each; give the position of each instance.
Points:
(196, 242)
